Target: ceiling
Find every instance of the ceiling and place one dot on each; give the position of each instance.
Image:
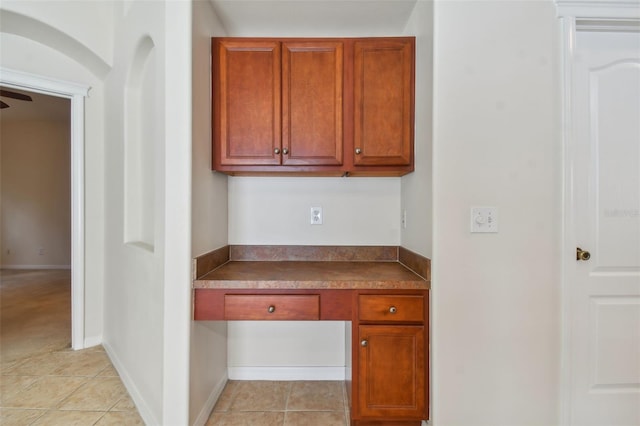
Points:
(43, 107)
(309, 18)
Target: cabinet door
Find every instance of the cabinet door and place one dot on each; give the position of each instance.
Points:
(392, 372)
(383, 102)
(247, 101)
(312, 102)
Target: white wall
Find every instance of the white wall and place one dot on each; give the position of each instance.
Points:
(36, 193)
(496, 343)
(88, 24)
(209, 220)
(417, 187)
(147, 296)
(357, 211)
(23, 54)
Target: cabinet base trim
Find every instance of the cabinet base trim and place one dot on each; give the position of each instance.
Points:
(287, 373)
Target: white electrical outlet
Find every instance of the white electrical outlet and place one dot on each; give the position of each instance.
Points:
(484, 219)
(316, 215)
(404, 219)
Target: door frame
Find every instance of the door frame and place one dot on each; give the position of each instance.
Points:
(595, 15)
(76, 93)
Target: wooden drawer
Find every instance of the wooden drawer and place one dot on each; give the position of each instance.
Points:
(271, 307)
(400, 308)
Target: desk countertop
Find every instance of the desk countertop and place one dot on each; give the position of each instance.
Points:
(311, 267)
(312, 275)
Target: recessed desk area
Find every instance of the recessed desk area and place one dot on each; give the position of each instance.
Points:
(382, 291)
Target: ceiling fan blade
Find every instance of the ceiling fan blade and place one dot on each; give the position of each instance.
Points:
(3, 105)
(14, 95)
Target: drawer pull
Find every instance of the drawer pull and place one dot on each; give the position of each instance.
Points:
(393, 310)
(364, 343)
(271, 309)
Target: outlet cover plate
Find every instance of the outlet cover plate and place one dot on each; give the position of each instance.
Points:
(316, 215)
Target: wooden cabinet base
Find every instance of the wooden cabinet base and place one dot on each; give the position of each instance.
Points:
(389, 333)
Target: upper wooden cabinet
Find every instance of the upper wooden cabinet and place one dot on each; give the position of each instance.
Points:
(246, 103)
(383, 92)
(313, 106)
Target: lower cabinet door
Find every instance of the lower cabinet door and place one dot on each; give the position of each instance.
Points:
(392, 372)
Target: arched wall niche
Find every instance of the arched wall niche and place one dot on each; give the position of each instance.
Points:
(140, 147)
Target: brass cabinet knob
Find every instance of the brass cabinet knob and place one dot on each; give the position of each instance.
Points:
(271, 309)
(358, 151)
(393, 310)
(276, 151)
(285, 151)
(364, 343)
(582, 254)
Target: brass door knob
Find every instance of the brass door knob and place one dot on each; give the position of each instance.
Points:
(271, 309)
(285, 151)
(276, 151)
(358, 151)
(582, 254)
(393, 310)
(364, 343)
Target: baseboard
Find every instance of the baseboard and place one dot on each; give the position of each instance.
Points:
(35, 267)
(286, 373)
(202, 418)
(92, 341)
(141, 405)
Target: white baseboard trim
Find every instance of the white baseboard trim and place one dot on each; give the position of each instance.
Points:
(35, 267)
(286, 373)
(92, 341)
(203, 416)
(141, 405)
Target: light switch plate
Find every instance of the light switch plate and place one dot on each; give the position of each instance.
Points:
(484, 219)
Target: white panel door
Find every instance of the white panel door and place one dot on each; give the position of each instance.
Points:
(604, 291)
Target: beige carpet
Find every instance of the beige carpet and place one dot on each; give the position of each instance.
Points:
(35, 312)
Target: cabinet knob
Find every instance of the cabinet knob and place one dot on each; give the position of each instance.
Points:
(393, 310)
(285, 151)
(358, 151)
(364, 343)
(271, 309)
(276, 151)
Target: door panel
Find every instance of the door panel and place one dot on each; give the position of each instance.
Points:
(605, 290)
(392, 371)
(383, 97)
(312, 102)
(247, 96)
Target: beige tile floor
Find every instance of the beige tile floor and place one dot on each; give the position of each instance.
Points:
(274, 403)
(64, 387)
(43, 382)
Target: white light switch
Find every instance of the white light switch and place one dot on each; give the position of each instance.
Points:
(484, 219)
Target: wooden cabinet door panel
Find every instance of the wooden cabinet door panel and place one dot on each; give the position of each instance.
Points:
(312, 102)
(392, 371)
(247, 102)
(383, 98)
